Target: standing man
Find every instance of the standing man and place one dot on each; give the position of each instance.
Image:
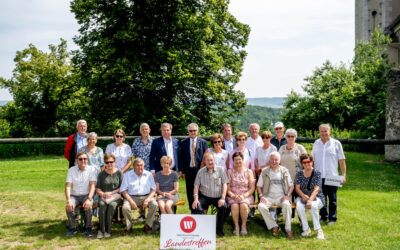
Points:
(192, 151)
(75, 142)
(141, 147)
(79, 190)
(165, 145)
(279, 139)
(229, 141)
(275, 187)
(138, 188)
(327, 152)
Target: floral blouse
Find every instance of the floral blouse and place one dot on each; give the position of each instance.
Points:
(122, 154)
(141, 150)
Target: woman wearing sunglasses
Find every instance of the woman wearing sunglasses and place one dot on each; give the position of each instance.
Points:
(220, 155)
(121, 151)
(262, 154)
(308, 188)
(107, 188)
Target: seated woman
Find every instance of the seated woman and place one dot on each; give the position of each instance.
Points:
(240, 192)
(107, 187)
(308, 187)
(167, 183)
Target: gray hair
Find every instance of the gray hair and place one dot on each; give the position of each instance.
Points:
(325, 125)
(276, 153)
(165, 124)
(291, 131)
(138, 160)
(80, 121)
(226, 125)
(144, 125)
(193, 125)
(254, 124)
(92, 134)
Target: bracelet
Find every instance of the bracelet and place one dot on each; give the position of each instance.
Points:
(194, 195)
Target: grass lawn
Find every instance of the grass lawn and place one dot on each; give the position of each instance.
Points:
(32, 211)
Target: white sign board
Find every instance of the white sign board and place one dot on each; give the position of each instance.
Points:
(336, 181)
(183, 231)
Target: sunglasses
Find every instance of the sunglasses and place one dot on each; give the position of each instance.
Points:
(82, 159)
(192, 131)
(242, 139)
(265, 137)
(215, 142)
(290, 136)
(108, 162)
(306, 162)
(278, 128)
(119, 136)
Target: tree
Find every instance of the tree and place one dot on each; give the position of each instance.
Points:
(154, 61)
(46, 93)
(347, 97)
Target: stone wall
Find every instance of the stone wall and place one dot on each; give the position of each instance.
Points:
(392, 152)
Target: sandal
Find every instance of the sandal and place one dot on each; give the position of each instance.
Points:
(236, 231)
(243, 232)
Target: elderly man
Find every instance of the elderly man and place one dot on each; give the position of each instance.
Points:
(275, 188)
(210, 188)
(229, 141)
(165, 145)
(138, 188)
(75, 142)
(192, 151)
(279, 140)
(79, 190)
(326, 153)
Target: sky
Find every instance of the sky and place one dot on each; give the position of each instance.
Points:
(288, 39)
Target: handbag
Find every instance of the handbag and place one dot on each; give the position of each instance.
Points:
(114, 197)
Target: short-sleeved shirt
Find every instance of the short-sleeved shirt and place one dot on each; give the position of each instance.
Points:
(262, 155)
(252, 145)
(210, 183)
(109, 183)
(122, 154)
(276, 188)
(290, 159)
(138, 186)
(326, 156)
(80, 180)
(219, 158)
(142, 150)
(315, 181)
(166, 182)
(246, 160)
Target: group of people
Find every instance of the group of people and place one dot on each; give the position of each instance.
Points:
(225, 176)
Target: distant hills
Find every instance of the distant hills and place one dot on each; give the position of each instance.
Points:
(3, 103)
(271, 102)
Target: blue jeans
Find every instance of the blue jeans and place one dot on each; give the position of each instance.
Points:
(329, 193)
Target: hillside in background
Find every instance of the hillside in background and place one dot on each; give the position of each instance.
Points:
(271, 102)
(264, 116)
(3, 103)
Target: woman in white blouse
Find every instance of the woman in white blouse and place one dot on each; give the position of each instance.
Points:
(262, 154)
(220, 155)
(121, 151)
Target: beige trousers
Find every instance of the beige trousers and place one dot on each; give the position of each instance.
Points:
(127, 210)
(286, 212)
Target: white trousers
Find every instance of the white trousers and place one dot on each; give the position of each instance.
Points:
(286, 213)
(316, 205)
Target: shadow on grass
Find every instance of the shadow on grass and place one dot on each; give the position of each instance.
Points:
(47, 229)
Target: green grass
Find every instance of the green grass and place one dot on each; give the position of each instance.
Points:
(32, 211)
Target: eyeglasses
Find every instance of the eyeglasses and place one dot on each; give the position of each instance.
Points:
(119, 136)
(82, 159)
(215, 142)
(241, 139)
(306, 162)
(192, 131)
(265, 137)
(279, 128)
(290, 136)
(108, 162)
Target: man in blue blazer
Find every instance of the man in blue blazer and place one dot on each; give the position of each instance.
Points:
(192, 150)
(165, 145)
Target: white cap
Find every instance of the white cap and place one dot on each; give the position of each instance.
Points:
(278, 125)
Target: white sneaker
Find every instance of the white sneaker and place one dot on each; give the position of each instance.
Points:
(331, 223)
(306, 233)
(107, 235)
(99, 234)
(320, 234)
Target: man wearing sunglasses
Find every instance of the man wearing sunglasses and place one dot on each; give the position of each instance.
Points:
(279, 140)
(79, 190)
(75, 142)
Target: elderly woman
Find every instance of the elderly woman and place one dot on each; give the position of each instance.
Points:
(240, 192)
(290, 157)
(262, 154)
(308, 188)
(95, 154)
(141, 147)
(107, 187)
(121, 151)
(220, 155)
(241, 138)
(167, 183)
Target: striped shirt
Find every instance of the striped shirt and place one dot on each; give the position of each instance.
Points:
(210, 183)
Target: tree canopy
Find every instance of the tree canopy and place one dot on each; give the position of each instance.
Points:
(155, 61)
(347, 97)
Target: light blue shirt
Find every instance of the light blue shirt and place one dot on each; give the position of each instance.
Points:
(136, 185)
(80, 142)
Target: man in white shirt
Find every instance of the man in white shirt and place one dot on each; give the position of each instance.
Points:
(275, 187)
(138, 188)
(327, 152)
(229, 141)
(79, 190)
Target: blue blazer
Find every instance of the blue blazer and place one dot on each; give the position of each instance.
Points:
(158, 150)
(201, 148)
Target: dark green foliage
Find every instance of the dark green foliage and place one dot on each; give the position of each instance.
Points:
(154, 61)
